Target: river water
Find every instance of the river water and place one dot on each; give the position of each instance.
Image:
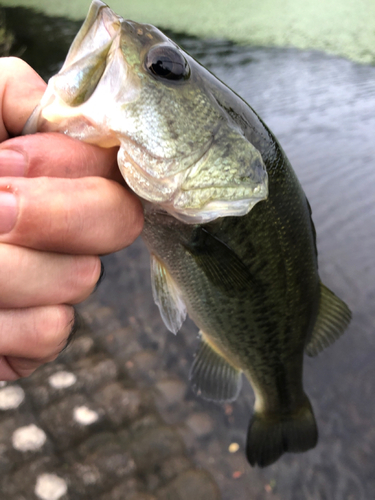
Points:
(322, 110)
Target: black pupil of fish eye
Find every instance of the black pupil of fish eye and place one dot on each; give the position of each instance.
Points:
(167, 63)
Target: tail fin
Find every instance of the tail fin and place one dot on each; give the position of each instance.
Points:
(269, 437)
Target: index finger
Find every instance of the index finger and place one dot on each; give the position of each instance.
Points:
(52, 154)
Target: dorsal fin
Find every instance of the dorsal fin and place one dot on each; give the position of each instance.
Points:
(167, 296)
(212, 377)
(333, 318)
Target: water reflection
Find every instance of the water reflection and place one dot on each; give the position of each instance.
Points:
(321, 108)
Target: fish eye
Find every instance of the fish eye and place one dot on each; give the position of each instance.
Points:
(167, 63)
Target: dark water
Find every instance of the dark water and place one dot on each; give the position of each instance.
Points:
(322, 109)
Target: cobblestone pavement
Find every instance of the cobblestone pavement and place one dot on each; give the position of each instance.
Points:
(85, 426)
(113, 418)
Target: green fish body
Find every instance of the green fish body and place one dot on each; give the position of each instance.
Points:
(227, 223)
(251, 285)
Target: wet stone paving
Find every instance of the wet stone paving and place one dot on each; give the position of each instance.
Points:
(88, 425)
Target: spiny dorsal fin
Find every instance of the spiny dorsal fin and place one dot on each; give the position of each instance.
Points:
(333, 318)
(221, 264)
(167, 296)
(212, 377)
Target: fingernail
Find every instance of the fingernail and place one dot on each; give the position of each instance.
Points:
(8, 211)
(12, 163)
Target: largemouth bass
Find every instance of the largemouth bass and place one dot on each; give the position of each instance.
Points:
(227, 223)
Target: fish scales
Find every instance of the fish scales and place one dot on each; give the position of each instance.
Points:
(272, 307)
(227, 223)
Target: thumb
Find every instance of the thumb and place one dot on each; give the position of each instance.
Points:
(21, 89)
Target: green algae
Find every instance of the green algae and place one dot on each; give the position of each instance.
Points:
(341, 27)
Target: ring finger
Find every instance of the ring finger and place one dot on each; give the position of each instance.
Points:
(45, 278)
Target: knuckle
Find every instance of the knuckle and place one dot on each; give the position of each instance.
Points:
(88, 271)
(128, 224)
(52, 331)
(20, 367)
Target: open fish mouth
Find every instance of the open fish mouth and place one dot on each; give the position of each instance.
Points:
(72, 101)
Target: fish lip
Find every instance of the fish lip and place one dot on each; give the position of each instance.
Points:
(99, 14)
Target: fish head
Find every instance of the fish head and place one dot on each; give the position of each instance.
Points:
(126, 84)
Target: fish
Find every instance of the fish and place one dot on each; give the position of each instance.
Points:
(227, 223)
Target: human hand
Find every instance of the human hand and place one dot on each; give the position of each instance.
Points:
(62, 203)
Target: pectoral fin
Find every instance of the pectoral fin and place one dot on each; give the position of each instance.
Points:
(220, 264)
(167, 296)
(333, 318)
(212, 377)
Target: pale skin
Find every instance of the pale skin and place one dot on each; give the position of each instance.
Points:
(62, 204)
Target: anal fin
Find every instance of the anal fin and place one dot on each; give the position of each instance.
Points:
(212, 377)
(167, 296)
(333, 318)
